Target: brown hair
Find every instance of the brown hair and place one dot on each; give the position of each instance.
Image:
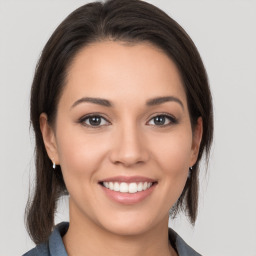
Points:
(131, 21)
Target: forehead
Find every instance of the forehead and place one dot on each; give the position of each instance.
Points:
(120, 71)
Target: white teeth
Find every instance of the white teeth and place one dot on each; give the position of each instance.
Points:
(140, 187)
(116, 186)
(133, 188)
(111, 185)
(124, 187)
(106, 184)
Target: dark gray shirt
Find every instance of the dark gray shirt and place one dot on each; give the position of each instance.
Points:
(55, 246)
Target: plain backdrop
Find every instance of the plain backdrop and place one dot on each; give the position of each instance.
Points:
(225, 34)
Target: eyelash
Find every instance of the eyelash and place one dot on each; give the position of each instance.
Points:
(172, 120)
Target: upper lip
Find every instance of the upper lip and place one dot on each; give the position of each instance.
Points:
(128, 179)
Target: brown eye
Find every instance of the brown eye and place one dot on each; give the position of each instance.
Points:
(162, 120)
(159, 120)
(94, 121)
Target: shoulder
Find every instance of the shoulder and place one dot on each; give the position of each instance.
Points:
(39, 250)
(180, 245)
(54, 246)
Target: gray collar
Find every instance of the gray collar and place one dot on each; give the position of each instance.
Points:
(180, 245)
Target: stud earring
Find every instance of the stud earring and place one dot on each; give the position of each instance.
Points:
(189, 172)
(53, 164)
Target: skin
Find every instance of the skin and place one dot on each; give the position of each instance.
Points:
(128, 142)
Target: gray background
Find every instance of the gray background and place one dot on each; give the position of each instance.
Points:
(225, 34)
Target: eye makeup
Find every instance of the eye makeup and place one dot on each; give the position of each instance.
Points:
(96, 120)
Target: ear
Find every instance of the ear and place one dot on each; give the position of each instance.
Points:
(197, 137)
(49, 138)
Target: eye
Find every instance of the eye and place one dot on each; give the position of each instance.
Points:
(94, 121)
(162, 120)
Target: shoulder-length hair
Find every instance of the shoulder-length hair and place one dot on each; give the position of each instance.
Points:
(131, 21)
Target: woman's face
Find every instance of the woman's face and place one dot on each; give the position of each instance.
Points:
(123, 137)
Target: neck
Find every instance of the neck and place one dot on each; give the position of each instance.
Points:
(85, 237)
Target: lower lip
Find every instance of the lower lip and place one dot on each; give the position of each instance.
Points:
(128, 198)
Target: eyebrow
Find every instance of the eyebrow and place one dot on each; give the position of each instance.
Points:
(98, 101)
(160, 100)
(107, 103)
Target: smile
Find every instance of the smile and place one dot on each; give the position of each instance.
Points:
(124, 187)
(128, 190)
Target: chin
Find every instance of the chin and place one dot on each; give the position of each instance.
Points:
(130, 224)
(122, 229)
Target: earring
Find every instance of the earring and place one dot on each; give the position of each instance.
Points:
(53, 164)
(189, 172)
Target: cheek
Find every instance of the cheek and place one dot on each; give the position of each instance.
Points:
(173, 153)
(80, 156)
(173, 158)
(170, 154)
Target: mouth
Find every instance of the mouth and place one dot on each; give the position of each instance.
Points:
(128, 187)
(128, 190)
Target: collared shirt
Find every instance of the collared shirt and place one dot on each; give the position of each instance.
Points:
(55, 246)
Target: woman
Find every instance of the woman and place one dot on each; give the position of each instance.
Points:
(122, 114)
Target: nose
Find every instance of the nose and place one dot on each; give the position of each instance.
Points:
(129, 147)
